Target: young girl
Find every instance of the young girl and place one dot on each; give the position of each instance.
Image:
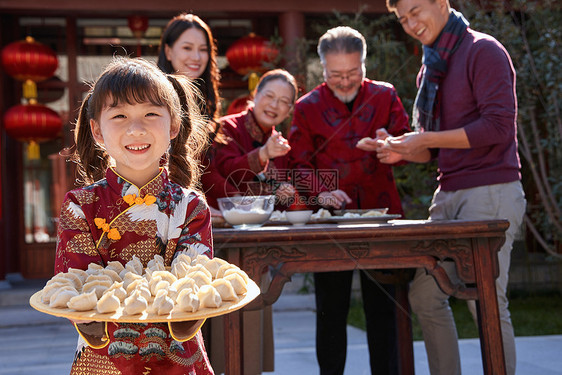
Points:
(135, 118)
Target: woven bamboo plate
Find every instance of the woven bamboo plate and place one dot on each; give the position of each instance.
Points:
(174, 316)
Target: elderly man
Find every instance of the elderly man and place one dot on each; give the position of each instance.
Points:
(327, 125)
(465, 115)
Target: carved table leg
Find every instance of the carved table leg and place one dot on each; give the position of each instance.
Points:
(491, 342)
(404, 323)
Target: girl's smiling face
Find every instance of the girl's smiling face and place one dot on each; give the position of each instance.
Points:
(189, 54)
(135, 136)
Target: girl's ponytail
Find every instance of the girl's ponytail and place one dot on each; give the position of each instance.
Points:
(92, 161)
(187, 146)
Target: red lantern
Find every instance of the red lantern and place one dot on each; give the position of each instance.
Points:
(32, 123)
(29, 60)
(138, 25)
(248, 54)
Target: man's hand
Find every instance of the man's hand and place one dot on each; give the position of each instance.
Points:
(333, 198)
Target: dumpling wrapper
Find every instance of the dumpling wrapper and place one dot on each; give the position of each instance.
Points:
(52, 288)
(135, 265)
(115, 265)
(156, 264)
(135, 304)
(118, 290)
(82, 275)
(200, 278)
(160, 285)
(108, 303)
(83, 302)
(181, 257)
(135, 285)
(162, 304)
(93, 268)
(99, 286)
(69, 276)
(111, 273)
(225, 289)
(129, 278)
(61, 297)
(240, 286)
(224, 268)
(209, 297)
(200, 259)
(187, 300)
(186, 282)
(180, 269)
(239, 272)
(100, 277)
(165, 275)
(213, 266)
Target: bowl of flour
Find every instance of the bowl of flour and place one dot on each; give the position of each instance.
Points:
(247, 211)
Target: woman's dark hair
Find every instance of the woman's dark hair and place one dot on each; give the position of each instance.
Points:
(132, 81)
(208, 83)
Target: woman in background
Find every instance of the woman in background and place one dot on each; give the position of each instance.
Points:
(187, 47)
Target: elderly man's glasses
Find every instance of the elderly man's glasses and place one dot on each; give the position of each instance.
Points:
(350, 75)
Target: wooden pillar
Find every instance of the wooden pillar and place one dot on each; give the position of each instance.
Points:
(291, 28)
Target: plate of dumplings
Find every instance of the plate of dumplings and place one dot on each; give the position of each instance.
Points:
(190, 289)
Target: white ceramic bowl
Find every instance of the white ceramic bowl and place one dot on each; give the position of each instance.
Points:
(298, 217)
(247, 211)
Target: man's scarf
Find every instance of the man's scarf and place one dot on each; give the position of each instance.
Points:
(435, 57)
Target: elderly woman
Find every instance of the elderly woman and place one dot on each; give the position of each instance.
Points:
(252, 156)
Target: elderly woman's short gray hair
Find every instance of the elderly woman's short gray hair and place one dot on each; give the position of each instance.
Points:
(341, 39)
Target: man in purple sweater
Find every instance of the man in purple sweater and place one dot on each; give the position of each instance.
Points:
(465, 115)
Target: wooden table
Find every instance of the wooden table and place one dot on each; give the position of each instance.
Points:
(472, 245)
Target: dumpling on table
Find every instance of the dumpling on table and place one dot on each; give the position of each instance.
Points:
(135, 303)
(108, 303)
(209, 297)
(83, 302)
(187, 300)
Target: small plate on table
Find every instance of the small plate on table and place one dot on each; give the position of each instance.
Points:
(359, 216)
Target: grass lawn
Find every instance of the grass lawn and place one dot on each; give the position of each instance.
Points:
(533, 314)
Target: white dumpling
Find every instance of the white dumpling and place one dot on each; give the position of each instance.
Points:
(118, 290)
(240, 286)
(136, 284)
(108, 303)
(61, 297)
(187, 300)
(115, 265)
(237, 271)
(181, 257)
(135, 304)
(224, 268)
(213, 266)
(135, 265)
(200, 268)
(162, 304)
(209, 297)
(225, 289)
(129, 278)
(144, 291)
(180, 269)
(69, 276)
(186, 282)
(99, 286)
(165, 275)
(99, 277)
(82, 275)
(111, 273)
(200, 278)
(83, 302)
(156, 264)
(52, 288)
(200, 259)
(93, 268)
